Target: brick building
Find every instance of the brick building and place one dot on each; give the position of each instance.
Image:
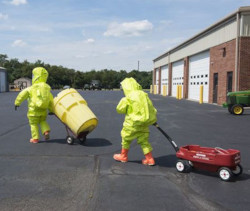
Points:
(218, 59)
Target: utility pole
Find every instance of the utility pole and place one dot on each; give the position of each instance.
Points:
(138, 65)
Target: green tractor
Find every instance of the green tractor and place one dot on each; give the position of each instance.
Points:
(236, 101)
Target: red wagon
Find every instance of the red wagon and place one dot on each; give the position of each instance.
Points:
(225, 162)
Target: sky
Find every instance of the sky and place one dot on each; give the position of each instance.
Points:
(104, 34)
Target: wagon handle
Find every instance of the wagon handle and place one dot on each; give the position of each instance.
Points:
(220, 150)
(167, 136)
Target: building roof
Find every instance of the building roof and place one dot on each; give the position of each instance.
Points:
(204, 32)
(23, 78)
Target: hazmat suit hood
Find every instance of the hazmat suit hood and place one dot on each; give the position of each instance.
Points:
(40, 74)
(129, 85)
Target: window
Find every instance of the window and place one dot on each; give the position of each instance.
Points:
(229, 81)
(224, 52)
(245, 25)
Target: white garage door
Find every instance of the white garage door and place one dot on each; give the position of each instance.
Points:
(198, 75)
(164, 77)
(157, 80)
(2, 82)
(177, 76)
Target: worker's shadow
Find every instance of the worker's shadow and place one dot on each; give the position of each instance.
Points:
(90, 142)
(166, 161)
(96, 142)
(163, 161)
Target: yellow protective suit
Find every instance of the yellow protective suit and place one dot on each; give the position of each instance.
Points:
(40, 100)
(140, 113)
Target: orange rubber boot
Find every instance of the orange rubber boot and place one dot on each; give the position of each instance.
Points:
(46, 135)
(123, 157)
(34, 141)
(149, 160)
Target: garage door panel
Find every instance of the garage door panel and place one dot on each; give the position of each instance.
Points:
(164, 77)
(199, 75)
(177, 76)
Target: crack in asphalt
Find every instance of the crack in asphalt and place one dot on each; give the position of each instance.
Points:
(198, 201)
(96, 173)
(181, 181)
(11, 130)
(191, 195)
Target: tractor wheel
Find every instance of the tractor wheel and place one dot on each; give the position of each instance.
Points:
(237, 109)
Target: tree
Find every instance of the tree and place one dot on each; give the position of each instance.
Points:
(3, 59)
(60, 76)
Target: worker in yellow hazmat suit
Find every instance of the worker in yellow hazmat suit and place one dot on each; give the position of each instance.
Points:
(40, 100)
(139, 114)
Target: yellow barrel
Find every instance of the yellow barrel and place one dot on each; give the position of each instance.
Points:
(72, 110)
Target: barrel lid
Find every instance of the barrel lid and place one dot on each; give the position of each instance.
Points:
(62, 94)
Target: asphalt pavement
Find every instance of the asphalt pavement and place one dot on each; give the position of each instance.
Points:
(53, 175)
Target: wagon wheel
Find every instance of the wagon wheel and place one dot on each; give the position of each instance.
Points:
(183, 166)
(225, 173)
(191, 164)
(70, 140)
(238, 171)
(237, 109)
(82, 140)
